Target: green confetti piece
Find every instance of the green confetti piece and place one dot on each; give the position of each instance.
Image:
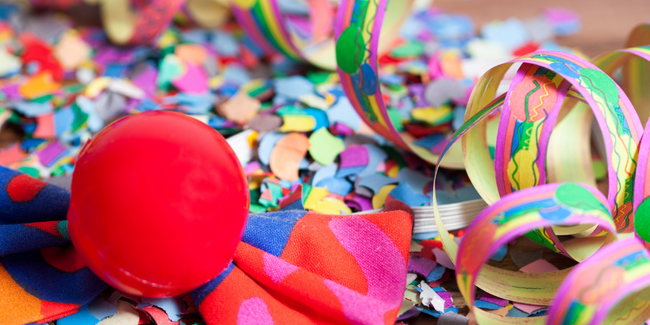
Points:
(408, 50)
(59, 171)
(255, 196)
(256, 208)
(14, 118)
(290, 110)
(80, 118)
(324, 146)
(31, 171)
(318, 77)
(394, 155)
(42, 99)
(171, 67)
(395, 118)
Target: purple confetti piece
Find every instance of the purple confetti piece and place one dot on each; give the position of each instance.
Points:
(49, 154)
(494, 300)
(422, 266)
(354, 156)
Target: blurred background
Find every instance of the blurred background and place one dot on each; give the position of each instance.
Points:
(605, 23)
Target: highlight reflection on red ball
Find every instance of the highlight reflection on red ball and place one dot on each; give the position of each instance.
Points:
(159, 204)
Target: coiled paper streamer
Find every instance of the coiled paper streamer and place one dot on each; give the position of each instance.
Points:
(133, 22)
(207, 13)
(265, 24)
(617, 276)
(517, 214)
(359, 25)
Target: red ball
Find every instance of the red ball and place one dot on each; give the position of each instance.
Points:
(159, 204)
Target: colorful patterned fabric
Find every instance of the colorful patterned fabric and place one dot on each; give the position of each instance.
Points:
(41, 276)
(292, 266)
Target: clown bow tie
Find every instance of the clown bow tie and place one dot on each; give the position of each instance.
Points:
(291, 267)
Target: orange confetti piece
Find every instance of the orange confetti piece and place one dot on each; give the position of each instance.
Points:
(287, 154)
(191, 53)
(39, 85)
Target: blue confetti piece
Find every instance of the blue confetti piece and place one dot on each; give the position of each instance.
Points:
(467, 193)
(115, 70)
(304, 163)
(225, 44)
(100, 308)
(459, 117)
(376, 182)
(323, 173)
(319, 116)
(444, 197)
(429, 141)
(336, 185)
(404, 193)
(82, 317)
(539, 312)
(236, 75)
(514, 312)
(436, 273)
(266, 146)
(486, 305)
(293, 87)
(32, 109)
(425, 235)
(30, 144)
(348, 171)
(500, 254)
(148, 105)
(510, 33)
(416, 180)
(343, 112)
(376, 156)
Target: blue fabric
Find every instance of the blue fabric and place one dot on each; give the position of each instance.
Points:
(203, 291)
(50, 204)
(270, 231)
(44, 281)
(21, 238)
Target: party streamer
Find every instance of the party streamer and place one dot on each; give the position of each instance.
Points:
(359, 26)
(264, 21)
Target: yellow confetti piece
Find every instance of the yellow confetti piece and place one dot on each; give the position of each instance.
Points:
(393, 171)
(216, 82)
(256, 182)
(96, 87)
(252, 139)
(380, 198)
(431, 115)
(297, 123)
(167, 39)
(315, 196)
(331, 205)
(312, 100)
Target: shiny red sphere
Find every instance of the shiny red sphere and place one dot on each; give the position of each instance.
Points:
(159, 204)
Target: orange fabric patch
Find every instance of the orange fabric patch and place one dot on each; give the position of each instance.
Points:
(19, 306)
